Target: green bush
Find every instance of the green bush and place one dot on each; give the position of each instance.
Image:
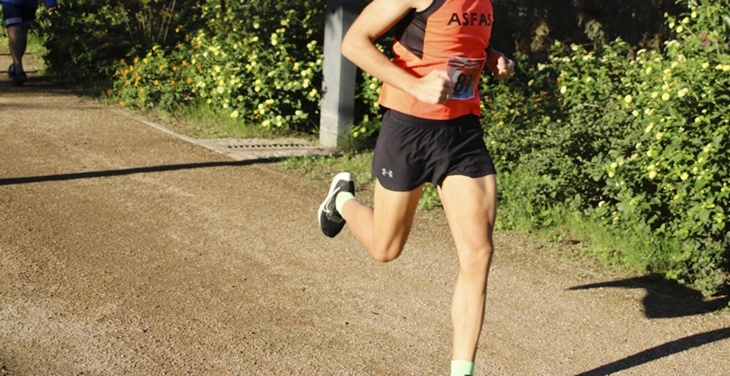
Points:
(636, 143)
(86, 38)
(265, 71)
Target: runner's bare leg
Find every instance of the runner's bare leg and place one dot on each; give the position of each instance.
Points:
(471, 208)
(383, 228)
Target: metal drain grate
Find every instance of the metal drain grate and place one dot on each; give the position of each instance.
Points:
(269, 146)
(241, 149)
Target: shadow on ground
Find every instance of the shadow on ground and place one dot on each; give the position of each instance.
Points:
(660, 351)
(665, 299)
(128, 171)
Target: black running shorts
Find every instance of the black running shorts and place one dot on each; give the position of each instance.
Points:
(411, 151)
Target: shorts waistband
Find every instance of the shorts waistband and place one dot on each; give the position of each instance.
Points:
(466, 120)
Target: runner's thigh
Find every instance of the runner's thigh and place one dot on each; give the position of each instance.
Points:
(471, 209)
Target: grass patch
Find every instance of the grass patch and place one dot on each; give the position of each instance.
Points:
(323, 169)
(202, 122)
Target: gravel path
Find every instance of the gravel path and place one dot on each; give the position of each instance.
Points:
(126, 250)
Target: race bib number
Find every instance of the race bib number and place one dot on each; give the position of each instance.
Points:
(464, 71)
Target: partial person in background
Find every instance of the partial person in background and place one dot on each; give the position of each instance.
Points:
(431, 132)
(18, 17)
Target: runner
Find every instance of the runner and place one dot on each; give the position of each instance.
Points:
(18, 17)
(430, 133)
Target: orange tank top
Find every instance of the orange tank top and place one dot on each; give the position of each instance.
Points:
(452, 35)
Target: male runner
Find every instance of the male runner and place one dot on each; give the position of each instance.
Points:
(430, 133)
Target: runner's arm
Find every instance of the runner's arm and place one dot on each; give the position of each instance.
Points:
(358, 46)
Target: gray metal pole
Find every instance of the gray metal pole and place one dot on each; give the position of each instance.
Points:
(338, 87)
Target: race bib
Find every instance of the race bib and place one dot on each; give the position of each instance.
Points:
(464, 71)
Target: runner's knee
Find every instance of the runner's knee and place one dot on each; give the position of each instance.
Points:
(476, 259)
(386, 252)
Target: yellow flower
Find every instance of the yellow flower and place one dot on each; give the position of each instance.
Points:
(156, 82)
(121, 103)
(234, 114)
(161, 67)
(652, 174)
(628, 98)
(666, 96)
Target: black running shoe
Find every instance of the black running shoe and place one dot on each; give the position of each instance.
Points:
(330, 220)
(11, 71)
(18, 79)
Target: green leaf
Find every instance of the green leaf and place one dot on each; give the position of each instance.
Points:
(726, 18)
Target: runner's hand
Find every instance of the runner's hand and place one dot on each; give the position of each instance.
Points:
(434, 88)
(500, 65)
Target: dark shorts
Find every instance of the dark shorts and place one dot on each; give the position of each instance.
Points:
(411, 151)
(16, 14)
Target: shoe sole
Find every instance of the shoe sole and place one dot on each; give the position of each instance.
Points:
(341, 176)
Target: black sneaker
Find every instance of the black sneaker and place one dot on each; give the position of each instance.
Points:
(330, 220)
(18, 79)
(11, 71)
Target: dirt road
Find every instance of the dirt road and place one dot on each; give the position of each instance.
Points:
(126, 250)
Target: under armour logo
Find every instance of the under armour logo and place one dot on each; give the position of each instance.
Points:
(388, 173)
